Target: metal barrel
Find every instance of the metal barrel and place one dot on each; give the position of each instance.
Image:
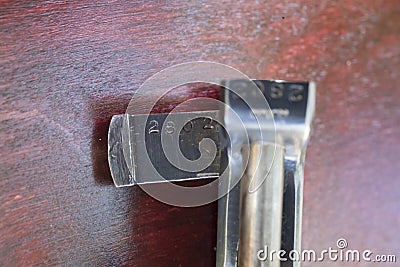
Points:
(261, 206)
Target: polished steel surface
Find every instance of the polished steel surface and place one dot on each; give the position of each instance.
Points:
(261, 210)
(242, 217)
(290, 129)
(132, 137)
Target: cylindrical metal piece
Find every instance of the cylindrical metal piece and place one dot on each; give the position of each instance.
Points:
(261, 206)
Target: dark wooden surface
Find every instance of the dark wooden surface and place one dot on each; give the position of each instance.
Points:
(66, 68)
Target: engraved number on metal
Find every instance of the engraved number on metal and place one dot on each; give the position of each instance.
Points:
(208, 124)
(188, 127)
(296, 92)
(154, 127)
(170, 127)
(277, 90)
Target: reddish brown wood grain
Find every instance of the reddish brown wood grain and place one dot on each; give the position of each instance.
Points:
(66, 68)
